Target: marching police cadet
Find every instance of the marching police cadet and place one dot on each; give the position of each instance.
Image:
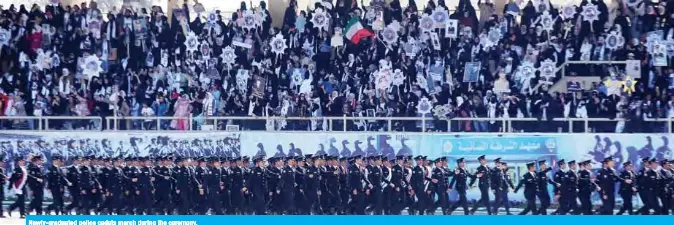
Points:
(606, 179)
(375, 178)
(531, 184)
(356, 182)
(368, 162)
(409, 194)
(56, 183)
(288, 185)
(183, 178)
(103, 178)
(17, 182)
(273, 180)
(145, 187)
(200, 177)
(570, 190)
(509, 182)
(300, 187)
(459, 182)
(246, 168)
(418, 186)
(498, 184)
(225, 185)
(313, 185)
(483, 175)
(238, 188)
(440, 187)
(72, 175)
(558, 179)
(97, 197)
(3, 179)
(343, 170)
(256, 184)
(627, 188)
(86, 185)
(647, 182)
(670, 186)
(663, 189)
(585, 187)
(388, 192)
(397, 182)
(36, 182)
(115, 187)
(332, 185)
(543, 180)
(214, 186)
(164, 186)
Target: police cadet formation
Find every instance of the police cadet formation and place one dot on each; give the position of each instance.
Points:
(327, 185)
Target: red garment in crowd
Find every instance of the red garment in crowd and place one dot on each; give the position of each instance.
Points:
(35, 41)
(3, 104)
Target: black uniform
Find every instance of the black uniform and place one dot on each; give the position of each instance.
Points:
(72, 175)
(375, 178)
(543, 194)
(606, 179)
(183, 179)
(288, 189)
(237, 183)
(627, 191)
(531, 184)
(257, 186)
(313, 185)
(201, 178)
(56, 183)
(647, 186)
(418, 184)
(213, 185)
(114, 187)
(441, 189)
(459, 182)
(484, 182)
(356, 186)
(145, 189)
(570, 190)
(585, 189)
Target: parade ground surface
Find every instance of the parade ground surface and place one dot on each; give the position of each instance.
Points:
(480, 217)
(337, 220)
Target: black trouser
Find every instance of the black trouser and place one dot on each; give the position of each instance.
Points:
(544, 197)
(650, 202)
(226, 204)
(76, 198)
(570, 204)
(145, 201)
(358, 202)
(501, 199)
(57, 202)
(20, 203)
(463, 202)
(183, 201)
(163, 200)
(627, 203)
(258, 202)
(376, 201)
(113, 202)
(585, 202)
(443, 201)
(387, 200)
(214, 201)
(531, 204)
(312, 201)
(484, 200)
(608, 204)
(237, 199)
(666, 200)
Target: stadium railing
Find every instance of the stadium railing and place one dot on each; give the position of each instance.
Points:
(335, 124)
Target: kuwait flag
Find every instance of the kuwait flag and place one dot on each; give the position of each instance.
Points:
(355, 31)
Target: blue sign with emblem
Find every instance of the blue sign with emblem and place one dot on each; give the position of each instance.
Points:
(476, 145)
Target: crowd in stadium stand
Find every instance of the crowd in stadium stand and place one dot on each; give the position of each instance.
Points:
(341, 59)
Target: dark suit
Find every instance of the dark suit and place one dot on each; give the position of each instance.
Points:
(56, 183)
(626, 191)
(530, 183)
(257, 186)
(459, 182)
